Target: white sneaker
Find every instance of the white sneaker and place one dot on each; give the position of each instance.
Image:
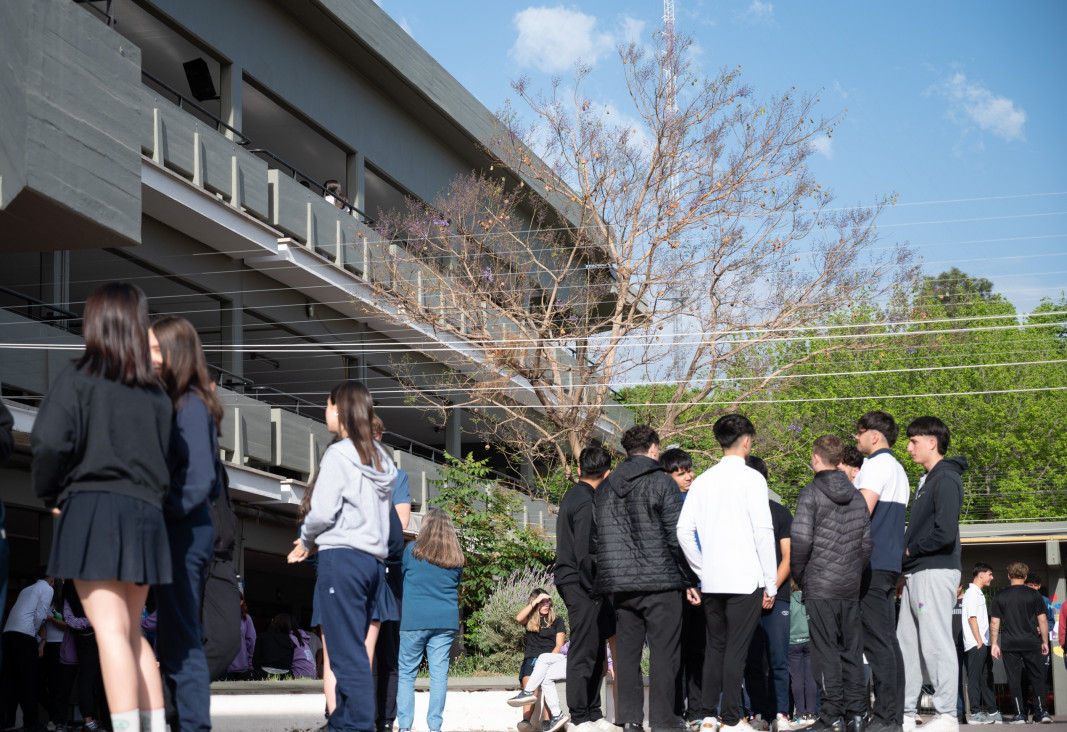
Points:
(942, 723)
(710, 724)
(781, 723)
(603, 725)
(758, 723)
(741, 726)
(583, 727)
(909, 723)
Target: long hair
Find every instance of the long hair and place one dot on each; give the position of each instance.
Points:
(355, 412)
(115, 327)
(184, 365)
(437, 542)
(534, 623)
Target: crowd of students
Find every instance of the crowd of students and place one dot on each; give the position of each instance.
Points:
(125, 454)
(741, 603)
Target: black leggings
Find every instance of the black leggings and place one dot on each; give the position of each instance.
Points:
(90, 681)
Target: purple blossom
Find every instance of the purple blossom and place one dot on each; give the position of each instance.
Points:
(441, 222)
(487, 275)
(911, 350)
(795, 428)
(585, 105)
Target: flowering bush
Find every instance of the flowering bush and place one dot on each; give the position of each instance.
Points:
(493, 630)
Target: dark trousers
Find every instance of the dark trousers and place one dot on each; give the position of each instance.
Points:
(220, 616)
(731, 620)
(980, 680)
(345, 589)
(586, 656)
(48, 682)
(837, 657)
(20, 678)
(879, 616)
(92, 702)
(1015, 664)
(802, 679)
(387, 655)
(180, 636)
(655, 616)
(694, 641)
(767, 666)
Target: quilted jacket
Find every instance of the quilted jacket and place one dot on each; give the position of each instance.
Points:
(830, 543)
(636, 514)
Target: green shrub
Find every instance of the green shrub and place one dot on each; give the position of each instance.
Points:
(493, 630)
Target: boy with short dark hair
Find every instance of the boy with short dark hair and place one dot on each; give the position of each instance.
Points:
(983, 708)
(851, 462)
(831, 545)
(678, 464)
(1018, 632)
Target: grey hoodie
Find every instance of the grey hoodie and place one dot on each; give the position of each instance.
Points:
(351, 502)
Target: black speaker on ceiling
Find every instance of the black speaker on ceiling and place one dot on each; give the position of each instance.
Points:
(199, 77)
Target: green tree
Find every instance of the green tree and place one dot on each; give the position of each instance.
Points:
(484, 514)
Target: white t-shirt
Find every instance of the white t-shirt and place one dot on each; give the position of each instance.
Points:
(974, 607)
(885, 477)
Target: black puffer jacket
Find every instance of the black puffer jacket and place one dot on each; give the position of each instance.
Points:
(830, 543)
(636, 514)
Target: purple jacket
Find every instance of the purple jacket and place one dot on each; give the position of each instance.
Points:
(68, 654)
(303, 658)
(242, 662)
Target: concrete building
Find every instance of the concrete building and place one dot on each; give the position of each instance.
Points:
(183, 145)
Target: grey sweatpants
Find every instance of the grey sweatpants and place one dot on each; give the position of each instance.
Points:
(924, 631)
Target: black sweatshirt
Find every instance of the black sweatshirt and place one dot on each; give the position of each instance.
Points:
(932, 540)
(92, 434)
(574, 528)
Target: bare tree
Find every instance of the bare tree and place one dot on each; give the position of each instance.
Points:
(678, 249)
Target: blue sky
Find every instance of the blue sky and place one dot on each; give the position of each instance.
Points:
(958, 108)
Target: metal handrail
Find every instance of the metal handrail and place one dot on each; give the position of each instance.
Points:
(63, 314)
(295, 171)
(183, 100)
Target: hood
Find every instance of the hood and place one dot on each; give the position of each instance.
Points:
(958, 463)
(624, 477)
(383, 480)
(835, 485)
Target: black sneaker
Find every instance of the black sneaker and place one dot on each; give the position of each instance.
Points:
(522, 699)
(1016, 719)
(1043, 718)
(821, 725)
(557, 722)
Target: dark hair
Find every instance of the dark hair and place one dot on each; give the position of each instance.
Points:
(334, 188)
(184, 366)
(980, 567)
(852, 457)
(115, 327)
(70, 596)
(730, 428)
(931, 427)
(281, 623)
(880, 422)
(830, 448)
(593, 462)
(758, 464)
(638, 439)
(1033, 579)
(355, 411)
(1018, 570)
(676, 459)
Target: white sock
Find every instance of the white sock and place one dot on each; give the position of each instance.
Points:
(153, 720)
(127, 721)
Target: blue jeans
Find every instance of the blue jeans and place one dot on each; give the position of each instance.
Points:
(436, 643)
(345, 589)
(180, 637)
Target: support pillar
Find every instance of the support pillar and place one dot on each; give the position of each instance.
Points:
(356, 185)
(232, 81)
(232, 335)
(454, 433)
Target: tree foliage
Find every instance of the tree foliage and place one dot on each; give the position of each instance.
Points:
(484, 514)
(675, 245)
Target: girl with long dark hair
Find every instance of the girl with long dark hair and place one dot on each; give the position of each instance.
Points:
(348, 523)
(100, 445)
(194, 482)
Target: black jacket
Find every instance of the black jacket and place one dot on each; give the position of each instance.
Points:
(932, 540)
(830, 543)
(574, 539)
(92, 434)
(636, 513)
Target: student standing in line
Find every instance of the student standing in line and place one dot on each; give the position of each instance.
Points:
(851, 462)
(884, 486)
(931, 566)
(195, 481)
(976, 648)
(432, 568)
(590, 613)
(1018, 633)
(100, 445)
(348, 523)
(801, 676)
(727, 534)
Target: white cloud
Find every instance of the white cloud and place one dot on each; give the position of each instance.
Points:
(824, 146)
(760, 11)
(971, 103)
(553, 39)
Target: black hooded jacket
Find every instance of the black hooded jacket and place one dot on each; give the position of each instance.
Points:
(636, 512)
(830, 542)
(932, 540)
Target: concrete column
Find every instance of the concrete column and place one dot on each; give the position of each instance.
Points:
(55, 278)
(231, 80)
(454, 433)
(356, 185)
(232, 335)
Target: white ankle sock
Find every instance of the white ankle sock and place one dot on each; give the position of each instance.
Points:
(127, 721)
(153, 720)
